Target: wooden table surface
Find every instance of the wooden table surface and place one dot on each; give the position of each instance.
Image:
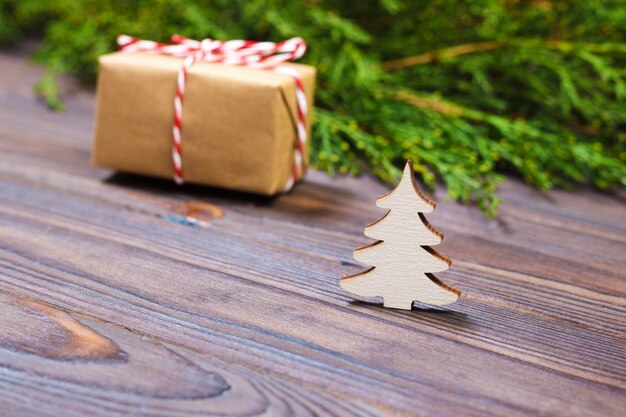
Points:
(109, 306)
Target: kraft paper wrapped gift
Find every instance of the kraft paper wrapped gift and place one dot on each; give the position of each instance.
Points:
(238, 123)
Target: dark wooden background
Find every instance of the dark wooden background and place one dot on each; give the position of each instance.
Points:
(109, 306)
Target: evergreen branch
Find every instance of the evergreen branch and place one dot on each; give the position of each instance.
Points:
(445, 53)
(428, 103)
(477, 47)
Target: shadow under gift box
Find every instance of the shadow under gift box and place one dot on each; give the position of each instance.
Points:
(238, 123)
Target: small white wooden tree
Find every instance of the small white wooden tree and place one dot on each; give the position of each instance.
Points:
(403, 259)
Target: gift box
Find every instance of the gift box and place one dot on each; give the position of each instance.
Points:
(239, 124)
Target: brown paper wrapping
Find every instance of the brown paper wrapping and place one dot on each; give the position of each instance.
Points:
(238, 130)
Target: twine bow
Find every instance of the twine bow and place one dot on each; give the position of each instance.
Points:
(263, 55)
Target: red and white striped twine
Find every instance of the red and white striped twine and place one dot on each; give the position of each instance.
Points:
(264, 55)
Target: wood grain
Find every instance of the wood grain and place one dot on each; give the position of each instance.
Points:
(144, 377)
(109, 305)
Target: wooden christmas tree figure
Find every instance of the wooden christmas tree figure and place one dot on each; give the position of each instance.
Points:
(403, 259)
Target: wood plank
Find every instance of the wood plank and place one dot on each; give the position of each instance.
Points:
(226, 309)
(332, 244)
(61, 359)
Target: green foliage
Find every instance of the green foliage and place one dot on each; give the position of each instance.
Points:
(536, 88)
(48, 89)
